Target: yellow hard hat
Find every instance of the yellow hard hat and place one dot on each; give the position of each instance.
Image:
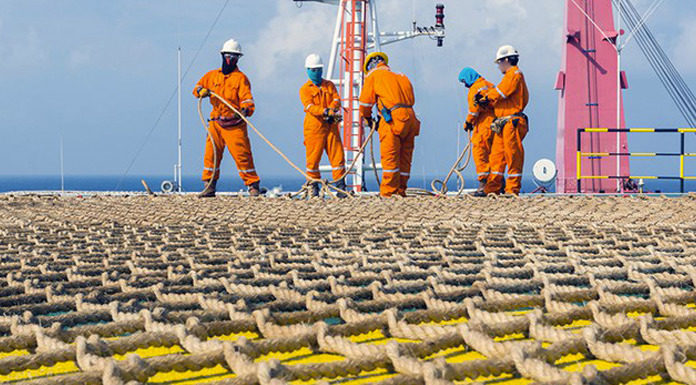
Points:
(374, 55)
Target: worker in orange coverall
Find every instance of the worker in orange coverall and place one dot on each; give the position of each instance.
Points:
(479, 121)
(226, 127)
(322, 107)
(508, 100)
(398, 127)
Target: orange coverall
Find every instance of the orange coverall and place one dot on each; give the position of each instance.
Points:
(482, 137)
(319, 135)
(510, 97)
(397, 139)
(235, 88)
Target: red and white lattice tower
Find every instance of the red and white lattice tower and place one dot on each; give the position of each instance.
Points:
(352, 39)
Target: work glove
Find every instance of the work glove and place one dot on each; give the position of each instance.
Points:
(203, 92)
(481, 100)
(368, 121)
(244, 111)
(468, 127)
(335, 115)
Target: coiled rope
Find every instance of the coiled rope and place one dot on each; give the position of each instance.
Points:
(456, 169)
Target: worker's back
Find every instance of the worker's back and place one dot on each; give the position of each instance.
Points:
(514, 93)
(390, 88)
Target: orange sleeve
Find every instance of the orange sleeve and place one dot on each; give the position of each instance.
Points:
(368, 98)
(335, 99)
(507, 86)
(308, 103)
(246, 99)
(203, 83)
(473, 107)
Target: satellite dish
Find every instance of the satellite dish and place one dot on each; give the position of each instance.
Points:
(544, 171)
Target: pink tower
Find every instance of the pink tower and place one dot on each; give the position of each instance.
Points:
(588, 83)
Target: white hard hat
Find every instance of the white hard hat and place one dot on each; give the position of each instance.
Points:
(314, 61)
(506, 51)
(232, 46)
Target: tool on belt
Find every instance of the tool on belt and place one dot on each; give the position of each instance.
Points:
(386, 112)
(499, 123)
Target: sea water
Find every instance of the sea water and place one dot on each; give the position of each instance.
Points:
(233, 183)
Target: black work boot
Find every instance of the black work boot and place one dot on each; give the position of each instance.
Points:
(481, 191)
(314, 189)
(254, 189)
(209, 190)
(341, 184)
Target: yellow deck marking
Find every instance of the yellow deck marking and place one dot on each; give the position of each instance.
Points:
(59, 368)
(191, 377)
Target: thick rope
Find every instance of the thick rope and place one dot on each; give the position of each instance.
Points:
(455, 169)
(326, 185)
(83, 280)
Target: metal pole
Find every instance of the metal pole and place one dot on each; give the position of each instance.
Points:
(335, 42)
(177, 174)
(681, 174)
(579, 160)
(62, 169)
(618, 97)
(375, 25)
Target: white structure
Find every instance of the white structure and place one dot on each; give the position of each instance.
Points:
(349, 47)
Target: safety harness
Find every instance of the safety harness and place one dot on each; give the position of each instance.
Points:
(228, 122)
(499, 123)
(387, 112)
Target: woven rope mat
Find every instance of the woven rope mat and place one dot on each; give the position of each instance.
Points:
(175, 290)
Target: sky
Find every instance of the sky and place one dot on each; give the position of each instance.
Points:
(98, 74)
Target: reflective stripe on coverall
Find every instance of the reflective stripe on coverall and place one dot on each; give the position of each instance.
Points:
(482, 137)
(397, 139)
(235, 88)
(319, 135)
(510, 97)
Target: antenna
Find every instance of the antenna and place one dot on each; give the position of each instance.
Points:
(62, 169)
(177, 172)
(176, 186)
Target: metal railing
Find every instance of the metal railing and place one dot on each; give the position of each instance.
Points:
(681, 154)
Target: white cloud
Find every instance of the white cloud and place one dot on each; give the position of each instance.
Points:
(26, 52)
(78, 58)
(290, 35)
(474, 31)
(683, 51)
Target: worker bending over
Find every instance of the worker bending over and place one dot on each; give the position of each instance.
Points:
(478, 121)
(508, 100)
(226, 127)
(398, 127)
(322, 108)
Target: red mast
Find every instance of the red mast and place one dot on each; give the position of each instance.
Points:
(590, 97)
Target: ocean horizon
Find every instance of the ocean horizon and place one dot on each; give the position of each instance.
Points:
(232, 183)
